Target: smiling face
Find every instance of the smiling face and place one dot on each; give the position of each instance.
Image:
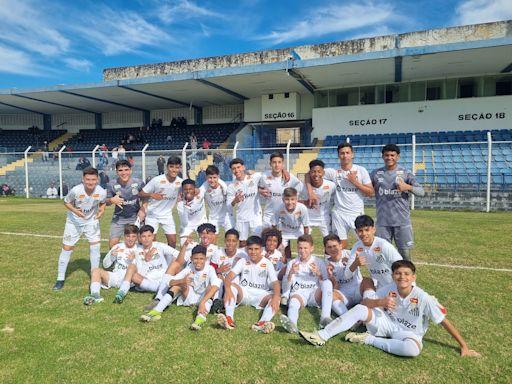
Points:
(206, 237)
(213, 180)
(276, 165)
(333, 249)
(390, 159)
(189, 191)
(316, 174)
(173, 170)
(254, 252)
(124, 173)
(238, 171)
(231, 243)
(304, 250)
(345, 155)
(404, 278)
(199, 261)
(366, 235)
(271, 243)
(130, 239)
(290, 202)
(146, 239)
(90, 182)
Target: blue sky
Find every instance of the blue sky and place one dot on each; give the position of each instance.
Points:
(53, 42)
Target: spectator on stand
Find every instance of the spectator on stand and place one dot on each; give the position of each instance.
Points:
(160, 163)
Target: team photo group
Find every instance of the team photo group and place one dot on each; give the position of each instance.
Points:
(262, 216)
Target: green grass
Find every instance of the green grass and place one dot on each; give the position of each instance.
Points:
(56, 339)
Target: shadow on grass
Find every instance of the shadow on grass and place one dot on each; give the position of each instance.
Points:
(79, 264)
(436, 342)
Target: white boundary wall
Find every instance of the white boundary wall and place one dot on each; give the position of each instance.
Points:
(21, 120)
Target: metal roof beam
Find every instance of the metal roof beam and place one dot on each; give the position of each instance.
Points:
(103, 100)
(301, 79)
(223, 89)
(157, 96)
(53, 103)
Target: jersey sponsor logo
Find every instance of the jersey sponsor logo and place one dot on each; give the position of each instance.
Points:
(339, 188)
(296, 286)
(389, 192)
(154, 267)
(345, 281)
(405, 323)
(379, 271)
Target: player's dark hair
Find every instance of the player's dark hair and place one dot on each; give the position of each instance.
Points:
(305, 239)
(331, 237)
(233, 232)
(236, 160)
(277, 154)
(272, 232)
(123, 163)
(90, 171)
(363, 221)
(173, 160)
(199, 249)
(391, 148)
(289, 192)
(212, 170)
(254, 240)
(130, 229)
(316, 163)
(146, 228)
(206, 227)
(345, 145)
(403, 264)
(187, 182)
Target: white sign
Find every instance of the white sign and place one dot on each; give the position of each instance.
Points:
(280, 106)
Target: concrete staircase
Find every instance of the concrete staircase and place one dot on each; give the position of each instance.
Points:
(201, 165)
(301, 165)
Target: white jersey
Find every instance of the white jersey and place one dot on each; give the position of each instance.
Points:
(192, 213)
(276, 186)
(412, 313)
(215, 199)
(305, 278)
(210, 251)
(88, 204)
(121, 259)
(160, 184)
(349, 199)
(221, 258)
(291, 224)
(348, 281)
(155, 268)
(259, 275)
(201, 280)
(379, 257)
(321, 213)
(276, 258)
(249, 207)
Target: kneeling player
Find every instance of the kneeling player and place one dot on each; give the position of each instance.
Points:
(397, 318)
(121, 255)
(194, 285)
(309, 285)
(258, 287)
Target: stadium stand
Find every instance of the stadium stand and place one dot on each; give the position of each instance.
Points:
(19, 140)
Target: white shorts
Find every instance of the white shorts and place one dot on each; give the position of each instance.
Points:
(253, 296)
(219, 222)
(267, 220)
(186, 231)
(307, 296)
(193, 298)
(167, 224)
(249, 228)
(115, 278)
(73, 232)
(343, 223)
(381, 326)
(324, 227)
(351, 298)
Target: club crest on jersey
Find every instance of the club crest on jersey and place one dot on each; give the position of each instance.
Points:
(204, 276)
(415, 311)
(163, 181)
(177, 183)
(414, 300)
(359, 249)
(81, 196)
(96, 195)
(247, 263)
(269, 178)
(376, 249)
(298, 214)
(325, 187)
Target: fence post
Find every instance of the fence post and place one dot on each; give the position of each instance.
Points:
(234, 149)
(489, 160)
(184, 160)
(26, 171)
(413, 165)
(94, 156)
(144, 162)
(288, 155)
(60, 170)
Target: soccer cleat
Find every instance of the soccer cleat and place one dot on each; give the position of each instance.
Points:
(225, 322)
(324, 322)
(198, 323)
(312, 338)
(120, 295)
(59, 284)
(357, 338)
(218, 306)
(151, 316)
(92, 299)
(288, 325)
(263, 326)
(150, 306)
(284, 300)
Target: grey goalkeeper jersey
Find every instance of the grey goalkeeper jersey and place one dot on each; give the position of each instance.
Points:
(129, 192)
(392, 205)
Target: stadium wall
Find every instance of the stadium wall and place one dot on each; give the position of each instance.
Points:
(425, 116)
(21, 121)
(256, 108)
(168, 114)
(122, 119)
(219, 114)
(73, 122)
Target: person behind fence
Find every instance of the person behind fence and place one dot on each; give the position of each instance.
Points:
(51, 192)
(160, 164)
(393, 185)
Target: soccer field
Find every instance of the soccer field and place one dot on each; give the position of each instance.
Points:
(52, 337)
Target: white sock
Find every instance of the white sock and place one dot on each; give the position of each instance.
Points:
(268, 313)
(326, 286)
(344, 322)
(63, 264)
(293, 310)
(208, 306)
(95, 255)
(406, 348)
(148, 285)
(165, 301)
(125, 286)
(163, 287)
(339, 308)
(230, 307)
(95, 288)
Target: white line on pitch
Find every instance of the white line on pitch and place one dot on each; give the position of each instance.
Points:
(416, 262)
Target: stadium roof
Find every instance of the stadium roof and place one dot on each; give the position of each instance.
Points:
(448, 52)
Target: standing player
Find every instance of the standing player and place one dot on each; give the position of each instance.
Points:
(85, 204)
(273, 183)
(121, 256)
(215, 192)
(352, 185)
(243, 194)
(258, 286)
(163, 193)
(396, 319)
(320, 213)
(191, 209)
(393, 185)
(123, 193)
(309, 285)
